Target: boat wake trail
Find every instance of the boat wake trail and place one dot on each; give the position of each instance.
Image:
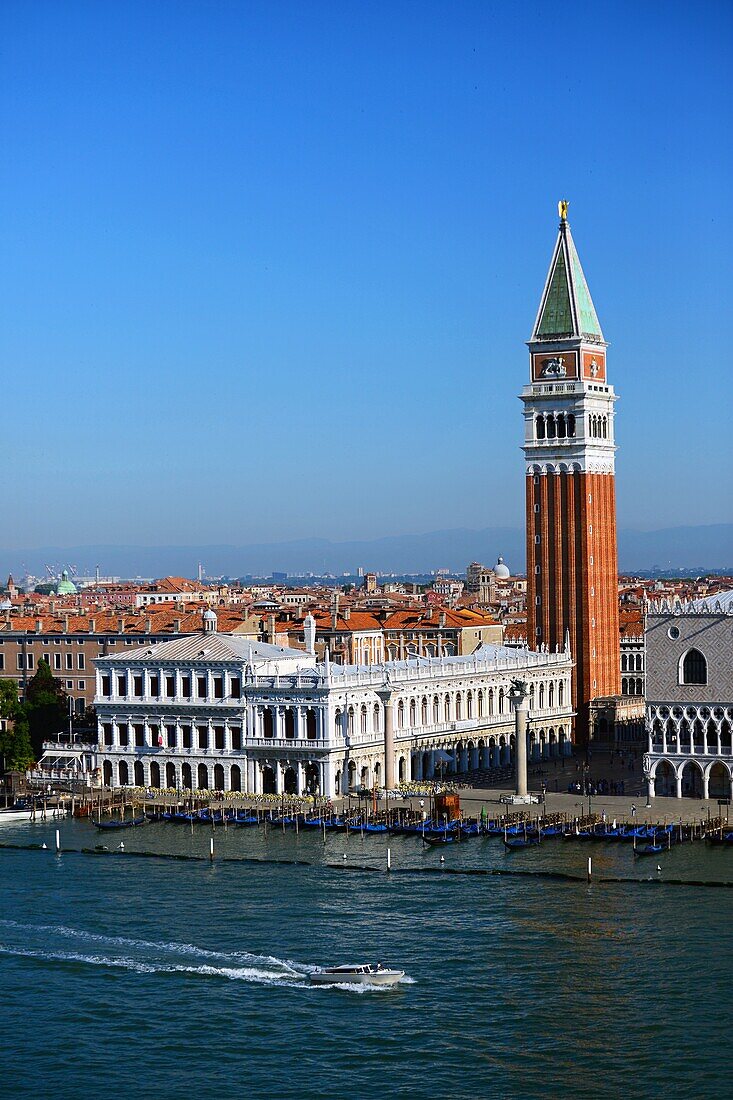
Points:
(142, 956)
(140, 966)
(186, 949)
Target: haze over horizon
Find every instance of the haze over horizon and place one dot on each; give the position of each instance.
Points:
(270, 269)
(707, 549)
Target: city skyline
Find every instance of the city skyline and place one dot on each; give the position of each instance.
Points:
(267, 284)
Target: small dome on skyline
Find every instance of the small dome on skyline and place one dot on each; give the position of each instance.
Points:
(65, 587)
(211, 621)
(501, 571)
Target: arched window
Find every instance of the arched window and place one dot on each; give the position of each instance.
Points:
(459, 706)
(560, 694)
(400, 714)
(624, 663)
(469, 704)
(350, 721)
(540, 427)
(550, 426)
(501, 700)
(480, 702)
(446, 709)
(693, 668)
(412, 713)
(542, 697)
(561, 427)
(375, 725)
(363, 718)
(436, 710)
(571, 425)
(424, 711)
(551, 695)
(491, 700)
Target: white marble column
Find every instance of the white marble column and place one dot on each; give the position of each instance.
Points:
(328, 782)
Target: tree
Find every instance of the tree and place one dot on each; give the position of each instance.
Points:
(16, 749)
(46, 706)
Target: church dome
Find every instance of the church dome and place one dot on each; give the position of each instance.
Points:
(500, 570)
(211, 621)
(65, 587)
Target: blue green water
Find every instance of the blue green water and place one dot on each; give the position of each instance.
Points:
(152, 978)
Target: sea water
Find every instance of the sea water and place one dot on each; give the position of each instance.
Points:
(147, 977)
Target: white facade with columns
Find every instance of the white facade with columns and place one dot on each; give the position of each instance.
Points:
(216, 711)
(689, 703)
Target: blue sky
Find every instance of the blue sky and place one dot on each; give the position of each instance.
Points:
(268, 268)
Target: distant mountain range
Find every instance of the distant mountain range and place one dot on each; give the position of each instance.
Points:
(697, 548)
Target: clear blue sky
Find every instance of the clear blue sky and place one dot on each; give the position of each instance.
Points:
(268, 268)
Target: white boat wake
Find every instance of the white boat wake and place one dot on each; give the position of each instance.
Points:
(259, 969)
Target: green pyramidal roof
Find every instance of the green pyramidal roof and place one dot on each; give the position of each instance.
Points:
(566, 309)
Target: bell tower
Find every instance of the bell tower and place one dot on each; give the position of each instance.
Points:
(572, 565)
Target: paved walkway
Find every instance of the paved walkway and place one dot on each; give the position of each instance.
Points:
(691, 810)
(603, 763)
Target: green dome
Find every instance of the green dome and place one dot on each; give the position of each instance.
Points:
(65, 586)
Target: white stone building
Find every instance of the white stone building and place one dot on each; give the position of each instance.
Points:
(689, 706)
(217, 711)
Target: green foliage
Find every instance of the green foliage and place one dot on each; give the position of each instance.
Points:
(8, 698)
(46, 707)
(85, 721)
(15, 746)
(15, 742)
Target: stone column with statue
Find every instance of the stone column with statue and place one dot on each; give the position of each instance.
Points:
(519, 696)
(385, 695)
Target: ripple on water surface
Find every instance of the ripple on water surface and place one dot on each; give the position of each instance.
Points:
(158, 979)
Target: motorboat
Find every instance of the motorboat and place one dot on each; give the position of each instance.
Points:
(24, 813)
(361, 974)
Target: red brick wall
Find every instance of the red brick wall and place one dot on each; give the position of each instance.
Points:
(576, 523)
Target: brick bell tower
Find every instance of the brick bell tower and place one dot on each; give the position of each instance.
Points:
(572, 566)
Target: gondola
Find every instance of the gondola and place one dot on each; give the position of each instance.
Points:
(615, 835)
(720, 838)
(651, 849)
(131, 824)
(512, 842)
(439, 838)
